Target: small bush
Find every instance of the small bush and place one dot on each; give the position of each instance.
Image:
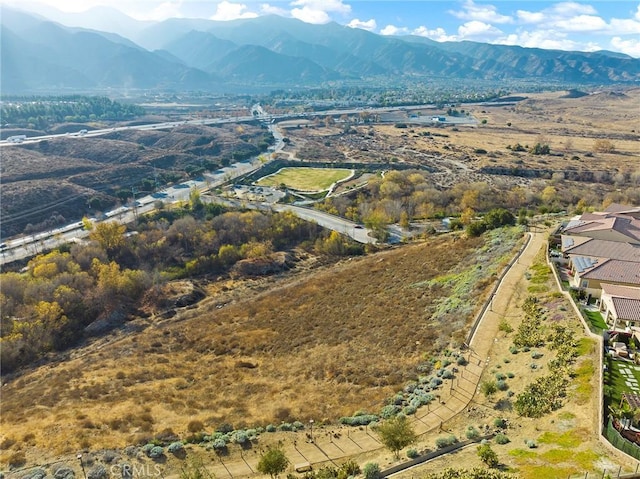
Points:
(501, 439)
(461, 361)
(175, 447)
(514, 350)
(446, 441)
(506, 360)
(471, 432)
(412, 453)
(64, 472)
(297, 426)
(500, 376)
(409, 410)
(502, 385)
(270, 428)
(389, 411)
(37, 473)
(156, 452)
(195, 426)
(531, 444)
(219, 444)
(241, 437)
(349, 468)
(371, 471)
(448, 374)
(536, 354)
(499, 422)
(285, 426)
(435, 382)
(533, 366)
(510, 375)
(98, 472)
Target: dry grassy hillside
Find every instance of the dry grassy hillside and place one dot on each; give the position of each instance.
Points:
(88, 170)
(319, 345)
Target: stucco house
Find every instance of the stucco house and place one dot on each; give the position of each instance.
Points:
(620, 306)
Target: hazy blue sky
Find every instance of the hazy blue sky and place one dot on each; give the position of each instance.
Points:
(587, 26)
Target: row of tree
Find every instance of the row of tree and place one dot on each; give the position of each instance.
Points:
(48, 307)
(43, 112)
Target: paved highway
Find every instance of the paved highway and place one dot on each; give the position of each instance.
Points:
(258, 113)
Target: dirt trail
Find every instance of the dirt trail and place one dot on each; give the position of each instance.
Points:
(336, 444)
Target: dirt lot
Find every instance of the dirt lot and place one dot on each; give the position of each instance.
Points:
(570, 126)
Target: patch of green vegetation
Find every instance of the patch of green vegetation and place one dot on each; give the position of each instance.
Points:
(583, 460)
(596, 321)
(537, 288)
(564, 439)
(566, 415)
(585, 346)
(522, 454)
(534, 471)
(305, 178)
(584, 374)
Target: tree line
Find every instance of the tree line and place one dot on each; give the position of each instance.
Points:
(42, 112)
(48, 306)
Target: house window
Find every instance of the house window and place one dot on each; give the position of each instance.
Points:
(584, 283)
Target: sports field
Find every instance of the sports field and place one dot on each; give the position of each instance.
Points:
(305, 179)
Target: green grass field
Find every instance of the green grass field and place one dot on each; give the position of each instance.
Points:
(305, 179)
(596, 320)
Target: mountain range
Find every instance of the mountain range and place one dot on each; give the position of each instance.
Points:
(40, 55)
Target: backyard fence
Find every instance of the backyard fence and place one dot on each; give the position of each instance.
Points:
(614, 437)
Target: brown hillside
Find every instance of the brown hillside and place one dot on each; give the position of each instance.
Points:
(309, 346)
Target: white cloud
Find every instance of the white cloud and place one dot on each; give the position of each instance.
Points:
(317, 11)
(572, 8)
(582, 23)
(482, 13)
(437, 34)
(273, 10)
(530, 17)
(637, 15)
(230, 11)
(625, 26)
(393, 30)
(169, 9)
(309, 15)
(630, 46)
(547, 39)
(369, 25)
(478, 30)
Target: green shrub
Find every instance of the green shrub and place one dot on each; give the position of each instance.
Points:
(536, 354)
(531, 444)
(471, 432)
(446, 441)
(412, 453)
(371, 471)
(175, 447)
(502, 385)
(501, 439)
(270, 428)
(500, 422)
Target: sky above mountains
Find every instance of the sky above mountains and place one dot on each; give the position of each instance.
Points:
(583, 26)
